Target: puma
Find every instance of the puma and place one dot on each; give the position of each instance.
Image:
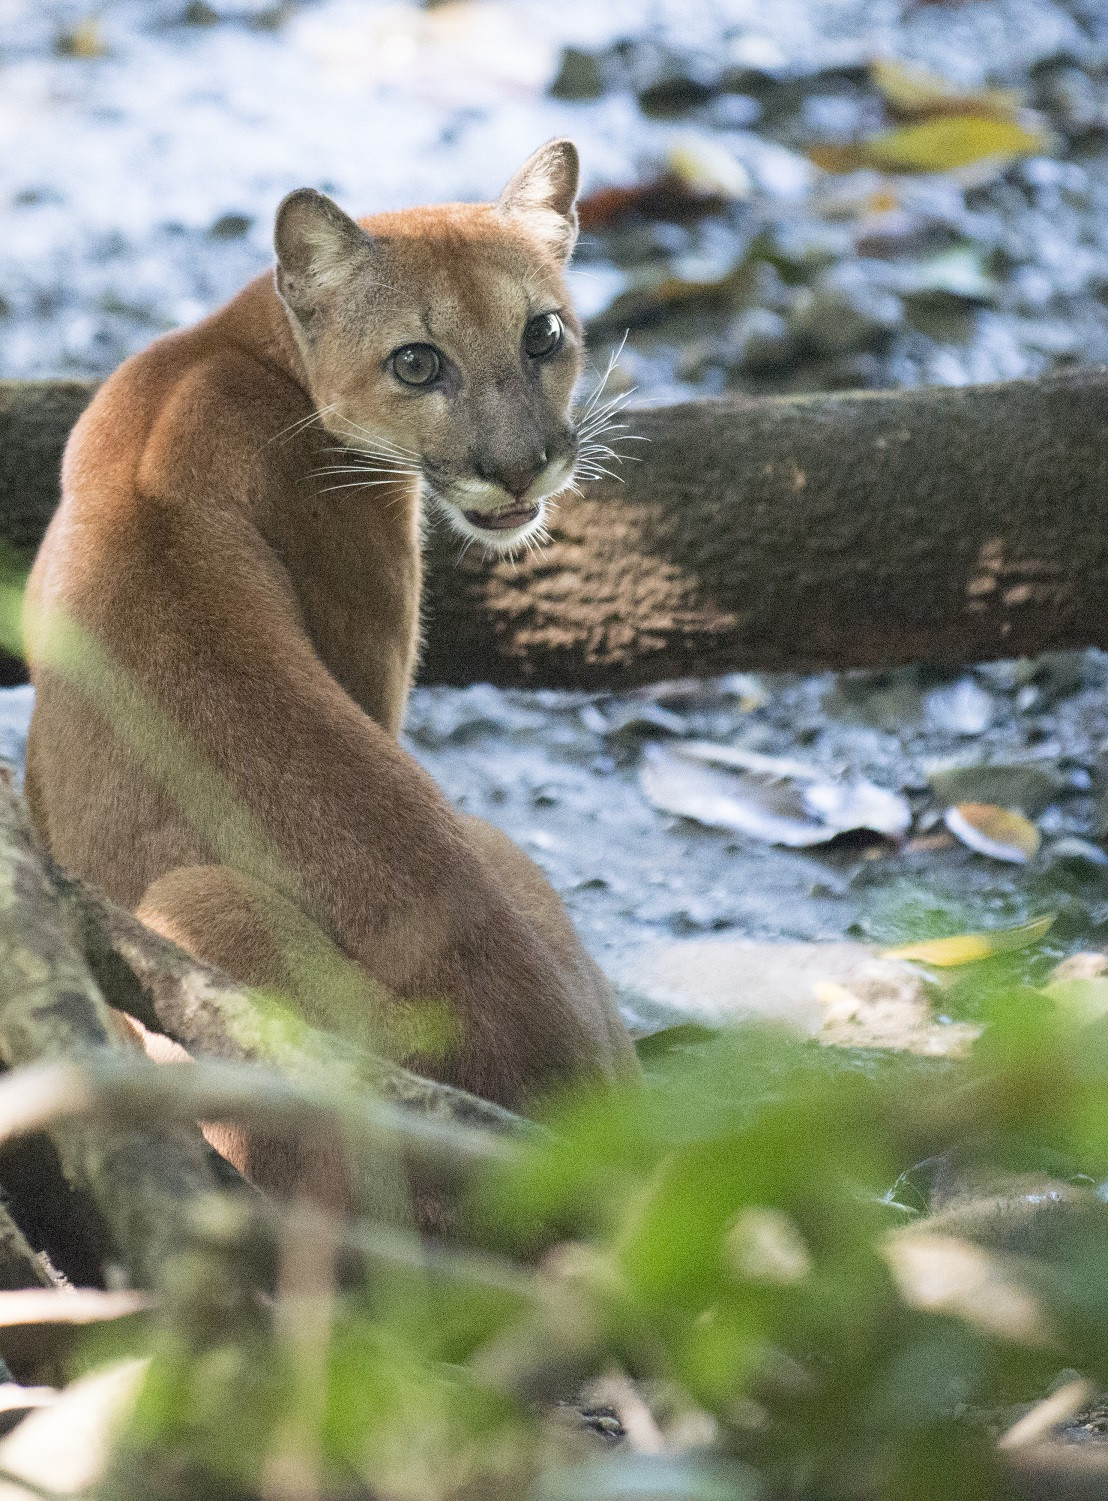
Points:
(239, 538)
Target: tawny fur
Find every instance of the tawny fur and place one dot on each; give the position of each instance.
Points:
(272, 623)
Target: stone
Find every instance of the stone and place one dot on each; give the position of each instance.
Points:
(843, 312)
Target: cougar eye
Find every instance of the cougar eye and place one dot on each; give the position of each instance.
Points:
(542, 335)
(416, 364)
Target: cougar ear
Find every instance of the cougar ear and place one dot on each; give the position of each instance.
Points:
(543, 196)
(317, 246)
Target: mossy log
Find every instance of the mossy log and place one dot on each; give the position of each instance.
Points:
(828, 531)
(66, 952)
(143, 1182)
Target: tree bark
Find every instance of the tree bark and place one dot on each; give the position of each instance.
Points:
(65, 951)
(206, 1011)
(143, 1182)
(829, 531)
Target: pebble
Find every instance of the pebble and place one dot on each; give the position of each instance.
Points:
(843, 312)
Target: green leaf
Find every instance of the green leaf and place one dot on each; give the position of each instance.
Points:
(672, 1039)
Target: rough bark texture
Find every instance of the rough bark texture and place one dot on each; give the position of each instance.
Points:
(142, 1182)
(64, 948)
(19, 1266)
(783, 533)
(205, 1010)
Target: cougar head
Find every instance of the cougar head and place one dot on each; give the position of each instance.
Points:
(440, 342)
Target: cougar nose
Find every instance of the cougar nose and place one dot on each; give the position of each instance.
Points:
(515, 478)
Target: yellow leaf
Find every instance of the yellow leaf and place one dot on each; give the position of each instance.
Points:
(915, 92)
(951, 141)
(84, 40)
(965, 948)
(1001, 833)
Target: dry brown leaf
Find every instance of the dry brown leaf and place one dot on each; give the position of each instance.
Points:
(670, 197)
(1000, 833)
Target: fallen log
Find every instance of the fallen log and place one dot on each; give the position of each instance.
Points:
(827, 531)
(66, 950)
(206, 1011)
(143, 1183)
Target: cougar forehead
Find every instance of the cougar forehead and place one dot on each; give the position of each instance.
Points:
(454, 276)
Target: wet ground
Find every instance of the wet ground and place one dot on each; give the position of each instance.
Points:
(561, 774)
(144, 145)
(143, 148)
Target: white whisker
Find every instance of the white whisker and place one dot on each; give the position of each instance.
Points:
(598, 391)
(301, 423)
(357, 484)
(379, 443)
(364, 469)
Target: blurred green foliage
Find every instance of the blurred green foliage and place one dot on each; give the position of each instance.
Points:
(720, 1238)
(713, 1254)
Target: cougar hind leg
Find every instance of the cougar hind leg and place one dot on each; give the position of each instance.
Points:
(606, 1046)
(260, 938)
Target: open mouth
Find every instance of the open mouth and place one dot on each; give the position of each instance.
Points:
(505, 520)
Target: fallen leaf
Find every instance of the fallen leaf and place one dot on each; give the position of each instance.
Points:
(780, 801)
(654, 299)
(953, 141)
(943, 840)
(915, 93)
(687, 191)
(84, 40)
(959, 272)
(859, 804)
(960, 708)
(944, 1274)
(1000, 833)
(939, 145)
(838, 158)
(708, 168)
(967, 948)
(1029, 787)
(1071, 850)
